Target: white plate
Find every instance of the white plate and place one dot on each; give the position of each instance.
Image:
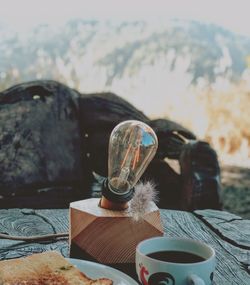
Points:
(97, 270)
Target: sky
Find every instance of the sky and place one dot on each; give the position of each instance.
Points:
(231, 14)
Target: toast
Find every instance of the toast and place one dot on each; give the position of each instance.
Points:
(49, 268)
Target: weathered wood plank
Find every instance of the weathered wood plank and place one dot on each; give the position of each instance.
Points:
(231, 267)
(230, 227)
(233, 260)
(27, 222)
(14, 249)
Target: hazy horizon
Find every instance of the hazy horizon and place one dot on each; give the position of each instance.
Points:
(194, 73)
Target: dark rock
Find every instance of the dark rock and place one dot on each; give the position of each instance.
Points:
(100, 113)
(52, 138)
(39, 137)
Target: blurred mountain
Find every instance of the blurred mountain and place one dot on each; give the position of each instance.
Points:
(152, 65)
(122, 49)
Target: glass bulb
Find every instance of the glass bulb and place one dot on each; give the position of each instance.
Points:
(132, 146)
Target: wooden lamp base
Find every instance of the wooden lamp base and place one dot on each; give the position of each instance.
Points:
(107, 236)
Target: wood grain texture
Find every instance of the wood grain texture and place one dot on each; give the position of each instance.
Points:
(212, 227)
(27, 222)
(108, 236)
(231, 227)
(232, 261)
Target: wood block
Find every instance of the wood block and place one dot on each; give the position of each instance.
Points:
(107, 236)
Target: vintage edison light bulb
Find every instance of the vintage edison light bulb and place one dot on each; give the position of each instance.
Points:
(132, 146)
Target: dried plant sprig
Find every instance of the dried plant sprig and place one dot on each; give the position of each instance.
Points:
(145, 194)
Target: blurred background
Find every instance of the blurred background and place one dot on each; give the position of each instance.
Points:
(188, 61)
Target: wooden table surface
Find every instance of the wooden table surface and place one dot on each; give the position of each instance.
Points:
(227, 233)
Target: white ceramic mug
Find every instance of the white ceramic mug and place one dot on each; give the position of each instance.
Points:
(152, 271)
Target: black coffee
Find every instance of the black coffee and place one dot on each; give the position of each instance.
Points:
(176, 256)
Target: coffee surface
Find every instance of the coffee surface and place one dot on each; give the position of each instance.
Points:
(176, 256)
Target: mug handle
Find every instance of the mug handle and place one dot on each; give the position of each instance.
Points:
(195, 280)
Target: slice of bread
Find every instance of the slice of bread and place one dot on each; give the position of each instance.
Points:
(48, 268)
